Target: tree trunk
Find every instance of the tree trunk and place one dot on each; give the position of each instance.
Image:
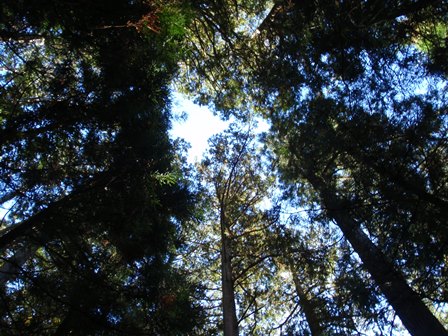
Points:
(309, 309)
(38, 221)
(8, 196)
(414, 314)
(35, 223)
(20, 38)
(228, 295)
(10, 234)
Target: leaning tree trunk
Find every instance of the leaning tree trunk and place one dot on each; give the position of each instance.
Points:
(40, 220)
(414, 314)
(228, 295)
(306, 302)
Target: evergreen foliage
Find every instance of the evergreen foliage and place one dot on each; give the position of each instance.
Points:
(87, 166)
(356, 96)
(334, 222)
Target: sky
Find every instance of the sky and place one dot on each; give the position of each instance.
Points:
(199, 126)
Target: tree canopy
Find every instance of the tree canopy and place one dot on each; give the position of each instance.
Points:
(333, 222)
(93, 183)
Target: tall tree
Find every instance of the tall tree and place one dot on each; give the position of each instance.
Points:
(231, 240)
(97, 197)
(358, 109)
(401, 153)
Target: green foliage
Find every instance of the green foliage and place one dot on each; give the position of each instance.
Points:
(355, 106)
(166, 178)
(435, 37)
(174, 21)
(356, 95)
(97, 196)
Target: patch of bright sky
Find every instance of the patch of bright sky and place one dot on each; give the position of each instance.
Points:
(200, 124)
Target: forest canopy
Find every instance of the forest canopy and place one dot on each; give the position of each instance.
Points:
(333, 222)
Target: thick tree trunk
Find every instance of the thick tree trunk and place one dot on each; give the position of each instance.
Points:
(35, 223)
(20, 38)
(11, 234)
(8, 196)
(414, 314)
(228, 295)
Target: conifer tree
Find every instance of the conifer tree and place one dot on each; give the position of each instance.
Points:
(95, 196)
(356, 94)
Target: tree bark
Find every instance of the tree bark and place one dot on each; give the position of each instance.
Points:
(228, 295)
(403, 180)
(35, 223)
(38, 221)
(8, 196)
(20, 37)
(414, 314)
(11, 234)
(307, 305)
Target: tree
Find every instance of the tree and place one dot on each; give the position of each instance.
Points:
(358, 111)
(97, 195)
(229, 250)
(344, 175)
